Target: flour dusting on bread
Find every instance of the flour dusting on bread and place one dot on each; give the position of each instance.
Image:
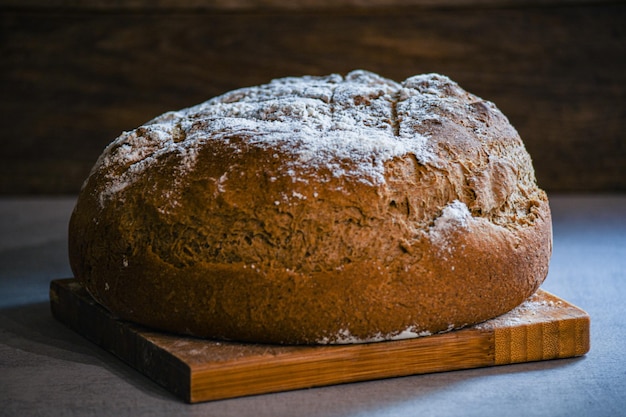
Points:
(350, 125)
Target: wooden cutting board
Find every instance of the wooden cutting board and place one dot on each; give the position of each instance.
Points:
(544, 327)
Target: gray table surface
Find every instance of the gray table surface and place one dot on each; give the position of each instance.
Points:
(48, 370)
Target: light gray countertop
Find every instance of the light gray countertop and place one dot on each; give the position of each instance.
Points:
(48, 370)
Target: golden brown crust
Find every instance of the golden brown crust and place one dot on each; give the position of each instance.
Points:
(194, 224)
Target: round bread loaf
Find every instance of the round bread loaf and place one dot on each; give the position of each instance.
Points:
(315, 210)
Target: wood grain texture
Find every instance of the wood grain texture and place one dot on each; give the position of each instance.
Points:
(273, 5)
(545, 327)
(72, 79)
(560, 331)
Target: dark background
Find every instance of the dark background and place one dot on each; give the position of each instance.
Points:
(75, 74)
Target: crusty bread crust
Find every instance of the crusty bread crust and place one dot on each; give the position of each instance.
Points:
(315, 210)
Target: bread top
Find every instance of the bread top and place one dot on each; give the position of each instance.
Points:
(330, 126)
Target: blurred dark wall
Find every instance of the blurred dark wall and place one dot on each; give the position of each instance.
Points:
(73, 77)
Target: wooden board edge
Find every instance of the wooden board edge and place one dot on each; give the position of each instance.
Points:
(330, 365)
(564, 335)
(567, 335)
(83, 315)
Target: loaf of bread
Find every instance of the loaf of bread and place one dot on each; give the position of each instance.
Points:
(315, 210)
